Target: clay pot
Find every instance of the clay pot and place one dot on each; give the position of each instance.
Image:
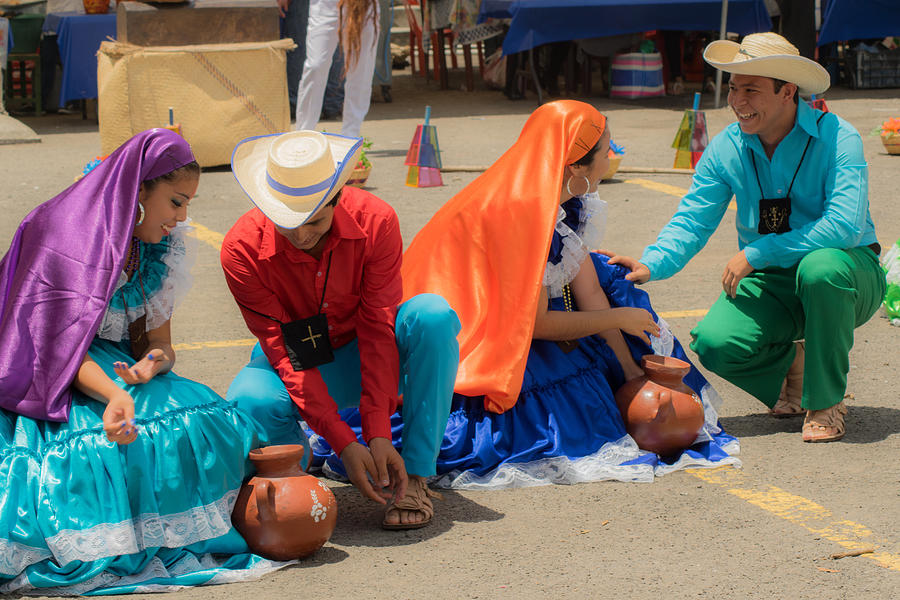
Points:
(283, 512)
(661, 413)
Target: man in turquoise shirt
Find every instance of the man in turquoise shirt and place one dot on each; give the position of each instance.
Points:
(808, 264)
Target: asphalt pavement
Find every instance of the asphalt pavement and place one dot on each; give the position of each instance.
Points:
(767, 530)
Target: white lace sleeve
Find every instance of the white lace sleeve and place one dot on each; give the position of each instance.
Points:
(178, 280)
(162, 293)
(576, 244)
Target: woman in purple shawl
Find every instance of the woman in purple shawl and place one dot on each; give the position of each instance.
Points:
(120, 475)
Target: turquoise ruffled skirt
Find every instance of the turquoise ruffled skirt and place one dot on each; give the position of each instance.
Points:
(81, 514)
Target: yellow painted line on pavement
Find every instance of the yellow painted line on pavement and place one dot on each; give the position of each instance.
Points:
(656, 186)
(219, 344)
(205, 234)
(813, 517)
(672, 190)
(677, 314)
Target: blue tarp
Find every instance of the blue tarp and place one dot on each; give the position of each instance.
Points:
(859, 19)
(79, 38)
(537, 22)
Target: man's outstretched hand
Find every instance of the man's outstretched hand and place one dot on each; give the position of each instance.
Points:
(377, 471)
(640, 273)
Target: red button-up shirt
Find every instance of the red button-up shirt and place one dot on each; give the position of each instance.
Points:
(267, 274)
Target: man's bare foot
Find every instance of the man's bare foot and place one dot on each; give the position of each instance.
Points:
(414, 510)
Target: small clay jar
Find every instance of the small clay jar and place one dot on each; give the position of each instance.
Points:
(661, 413)
(283, 512)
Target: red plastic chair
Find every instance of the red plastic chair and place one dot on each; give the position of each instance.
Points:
(417, 47)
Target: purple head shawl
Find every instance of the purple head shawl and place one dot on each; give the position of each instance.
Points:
(62, 268)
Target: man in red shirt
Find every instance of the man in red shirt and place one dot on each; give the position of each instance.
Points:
(315, 270)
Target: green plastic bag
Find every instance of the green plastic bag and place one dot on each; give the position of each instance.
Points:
(891, 264)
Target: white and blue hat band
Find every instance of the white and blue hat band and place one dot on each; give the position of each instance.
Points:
(289, 176)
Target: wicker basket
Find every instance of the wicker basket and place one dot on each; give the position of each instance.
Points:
(614, 162)
(96, 7)
(891, 142)
(359, 176)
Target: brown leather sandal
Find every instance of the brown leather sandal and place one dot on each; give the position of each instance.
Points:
(788, 404)
(826, 425)
(418, 498)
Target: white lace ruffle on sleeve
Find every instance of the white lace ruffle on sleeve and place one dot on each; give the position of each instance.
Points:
(166, 275)
(576, 244)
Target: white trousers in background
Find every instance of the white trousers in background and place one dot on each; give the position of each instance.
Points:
(321, 41)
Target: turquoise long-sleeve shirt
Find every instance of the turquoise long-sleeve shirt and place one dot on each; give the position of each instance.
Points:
(829, 199)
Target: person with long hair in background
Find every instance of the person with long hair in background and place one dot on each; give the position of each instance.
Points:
(353, 24)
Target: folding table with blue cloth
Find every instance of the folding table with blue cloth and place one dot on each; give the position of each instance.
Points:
(537, 22)
(78, 37)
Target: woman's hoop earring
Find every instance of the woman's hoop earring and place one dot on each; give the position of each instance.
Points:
(141, 218)
(587, 183)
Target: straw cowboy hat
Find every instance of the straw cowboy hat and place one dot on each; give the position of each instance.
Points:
(768, 55)
(289, 176)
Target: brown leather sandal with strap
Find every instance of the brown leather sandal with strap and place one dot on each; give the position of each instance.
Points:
(788, 404)
(418, 499)
(825, 425)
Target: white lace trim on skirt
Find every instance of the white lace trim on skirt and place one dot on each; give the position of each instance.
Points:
(605, 464)
(146, 531)
(14, 557)
(155, 569)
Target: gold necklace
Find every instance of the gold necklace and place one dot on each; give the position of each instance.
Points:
(567, 297)
(567, 345)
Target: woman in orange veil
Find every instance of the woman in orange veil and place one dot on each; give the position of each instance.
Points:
(549, 329)
(485, 251)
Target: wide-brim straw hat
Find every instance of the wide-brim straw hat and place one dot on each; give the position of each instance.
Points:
(289, 176)
(768, 55)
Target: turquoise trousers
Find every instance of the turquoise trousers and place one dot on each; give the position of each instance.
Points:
(426, 329)
(748, 339)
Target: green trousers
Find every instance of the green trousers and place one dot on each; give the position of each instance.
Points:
(748, 339)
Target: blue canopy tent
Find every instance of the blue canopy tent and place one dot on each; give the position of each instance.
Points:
(537, 22)
(859, 19)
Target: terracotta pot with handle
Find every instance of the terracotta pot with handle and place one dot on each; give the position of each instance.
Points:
(283, 512)
(661, 413)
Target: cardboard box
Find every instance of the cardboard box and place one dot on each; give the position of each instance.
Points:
(219, 93)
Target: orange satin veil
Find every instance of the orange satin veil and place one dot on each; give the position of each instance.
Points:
(485, 250)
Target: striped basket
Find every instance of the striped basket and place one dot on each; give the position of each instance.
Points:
(891, 142)
(636, 75)
(359, 176)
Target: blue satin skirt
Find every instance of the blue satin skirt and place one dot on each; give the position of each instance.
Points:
(565, 426)
(84, 515)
